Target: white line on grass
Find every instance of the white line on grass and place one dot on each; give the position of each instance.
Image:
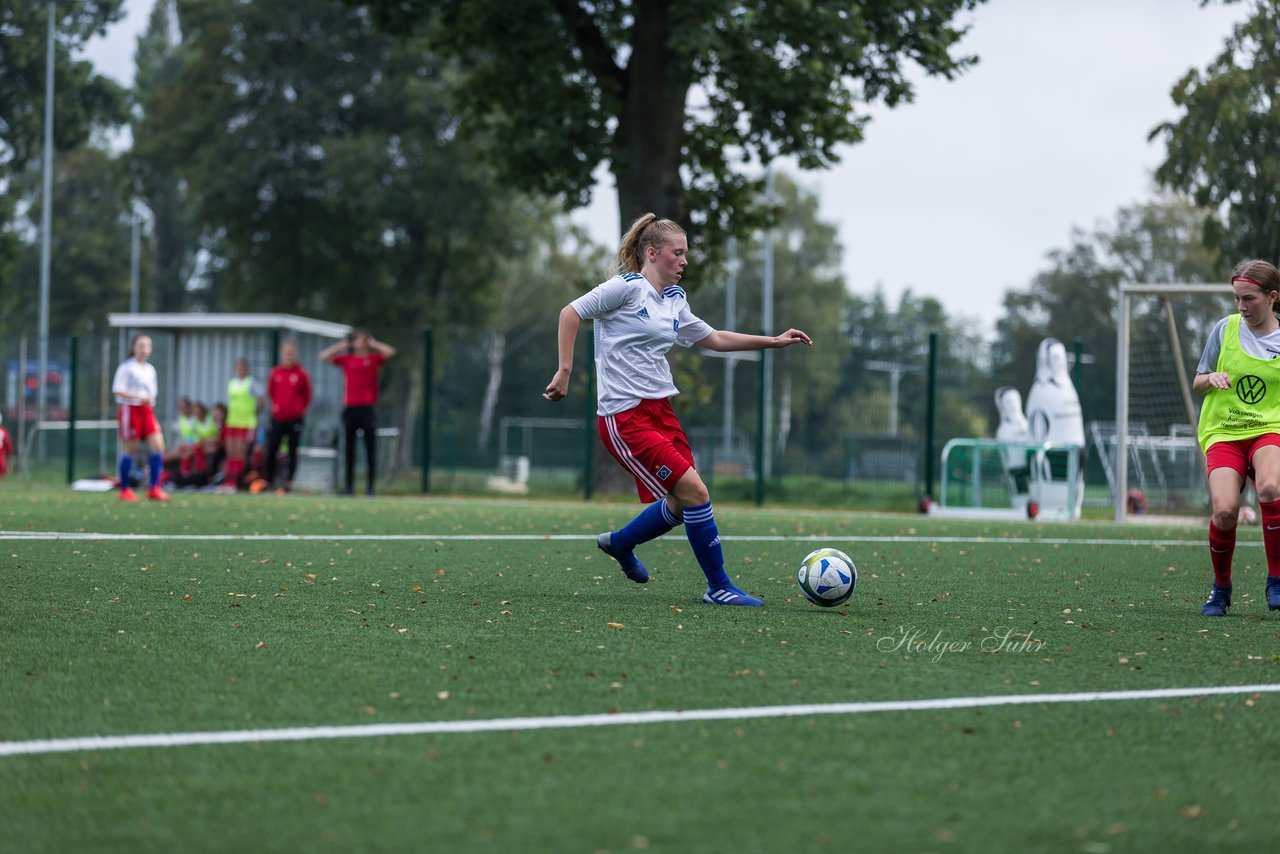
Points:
(756, 538)
(181, 739)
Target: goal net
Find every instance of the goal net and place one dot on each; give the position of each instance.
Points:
(1150, 454)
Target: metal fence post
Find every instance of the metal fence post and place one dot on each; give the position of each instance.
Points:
(424, 433)
(762, 377)
(931, 415)
(71, 412)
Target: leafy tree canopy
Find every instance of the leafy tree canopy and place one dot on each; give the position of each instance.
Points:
(1225, 149)
(81, 98)
(678, 97)
(324, 171)
(82, 101)
(1075, 296)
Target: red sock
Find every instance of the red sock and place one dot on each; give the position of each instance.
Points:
(1271, 535)
(234, 467)
(1222, 545)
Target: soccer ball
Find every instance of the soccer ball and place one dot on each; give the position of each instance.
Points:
(827, 577)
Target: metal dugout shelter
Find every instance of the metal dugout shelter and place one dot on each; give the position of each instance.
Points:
(195, 356)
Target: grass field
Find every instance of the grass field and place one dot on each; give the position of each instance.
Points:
(236, 617)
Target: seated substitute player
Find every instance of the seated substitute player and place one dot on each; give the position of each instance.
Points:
(1239, 426)
(639, 314)
(136, 388)
(185, 435)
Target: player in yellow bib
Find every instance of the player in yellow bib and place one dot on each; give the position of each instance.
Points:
(244, 402)
(1239, 427)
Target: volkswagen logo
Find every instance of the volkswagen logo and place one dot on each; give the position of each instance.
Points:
(1251, 389)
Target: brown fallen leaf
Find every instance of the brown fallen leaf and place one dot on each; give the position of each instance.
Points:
(616, 625)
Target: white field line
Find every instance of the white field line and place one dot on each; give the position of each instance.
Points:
(249, 736)
(756, 538)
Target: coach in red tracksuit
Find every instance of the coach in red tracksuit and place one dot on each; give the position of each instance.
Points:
(289, 390)
(360, 360)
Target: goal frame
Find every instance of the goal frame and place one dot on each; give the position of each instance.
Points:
(1121, 453)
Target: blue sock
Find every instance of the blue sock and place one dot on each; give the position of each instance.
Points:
(156, 463)
(653, 521)
(700, 528)
(126, 466)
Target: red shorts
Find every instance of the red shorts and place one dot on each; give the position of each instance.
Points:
(237, 433)
(650, 444)
(136, 421)
(1237, 454)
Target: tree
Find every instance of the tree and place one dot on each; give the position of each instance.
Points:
(82, 101)
(1225, 149)
(81, 98)
(808, 293)
(156, 179)
(90, 257)
(1075, 298)
(531, 287)
(898, 336)
(677, 97)
(325, 174)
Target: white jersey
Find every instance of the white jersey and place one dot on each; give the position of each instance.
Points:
(635, 326)
(137, 378)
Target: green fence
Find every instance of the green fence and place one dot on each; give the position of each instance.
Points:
(832, 425)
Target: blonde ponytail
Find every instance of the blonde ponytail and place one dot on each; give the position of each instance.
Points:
(646, 231)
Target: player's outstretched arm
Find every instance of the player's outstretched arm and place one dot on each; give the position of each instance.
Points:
(724, 341)
(566, 333)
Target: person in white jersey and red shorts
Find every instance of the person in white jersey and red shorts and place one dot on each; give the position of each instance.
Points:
(136, 388)
(639, 314)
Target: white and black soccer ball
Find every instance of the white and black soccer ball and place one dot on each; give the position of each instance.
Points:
(827, 577)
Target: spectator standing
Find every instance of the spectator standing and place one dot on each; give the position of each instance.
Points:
(360, 359)
(289, 390)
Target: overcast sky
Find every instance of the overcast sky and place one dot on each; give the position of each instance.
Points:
(961, 194)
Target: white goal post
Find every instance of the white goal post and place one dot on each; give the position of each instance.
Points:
(1154, 446)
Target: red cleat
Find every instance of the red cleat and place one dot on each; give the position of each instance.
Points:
(128, 494)
(156, 494)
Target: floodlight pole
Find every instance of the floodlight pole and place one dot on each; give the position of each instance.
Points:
(135, 257)
(730, 311)
(766, 321)
(46, 220)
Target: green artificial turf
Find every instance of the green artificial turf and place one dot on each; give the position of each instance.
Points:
(259, 612)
